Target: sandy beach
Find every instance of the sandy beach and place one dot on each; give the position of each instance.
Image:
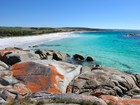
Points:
(26, 41)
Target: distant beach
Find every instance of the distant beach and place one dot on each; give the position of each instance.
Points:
(26, 41)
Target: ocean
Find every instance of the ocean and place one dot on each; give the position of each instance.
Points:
(109, 48)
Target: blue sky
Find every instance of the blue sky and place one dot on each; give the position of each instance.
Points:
(106, 14)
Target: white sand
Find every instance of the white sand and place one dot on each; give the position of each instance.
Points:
(24, 42)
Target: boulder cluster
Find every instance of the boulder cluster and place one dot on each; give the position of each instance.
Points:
(44, 75)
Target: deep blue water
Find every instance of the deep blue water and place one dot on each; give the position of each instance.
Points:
(109, 48)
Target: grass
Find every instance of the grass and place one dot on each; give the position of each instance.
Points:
(27, 101)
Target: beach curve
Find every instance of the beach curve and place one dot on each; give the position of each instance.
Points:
(26, 41)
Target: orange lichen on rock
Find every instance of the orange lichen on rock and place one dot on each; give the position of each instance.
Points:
(128, 102)
(5, 75)
(17, 89)
(5, 51)
(54, 82)
(9, 98)
(8, 95)
(69, 90)
(76, 86)
(108, 98)
(20, 97)
(97, 94)
(37, 77)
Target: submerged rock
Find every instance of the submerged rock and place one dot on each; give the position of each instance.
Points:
(132, 34)
(12, 48)
(35, 46)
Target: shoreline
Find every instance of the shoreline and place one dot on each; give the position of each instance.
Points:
(26, 41)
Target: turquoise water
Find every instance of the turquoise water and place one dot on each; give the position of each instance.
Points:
(109, 48)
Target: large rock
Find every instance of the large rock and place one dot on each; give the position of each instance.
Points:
(89, 59)
(12, 56)
(45, 75)
(65, 96)
(106, 80)
(51, 55)
(79, 57)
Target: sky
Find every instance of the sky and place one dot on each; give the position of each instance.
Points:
(103, 14)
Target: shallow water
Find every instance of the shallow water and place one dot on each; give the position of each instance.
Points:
(109, 48)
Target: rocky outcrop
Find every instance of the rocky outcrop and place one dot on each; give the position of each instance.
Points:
(79, 57)
(12, 56)
(66, 96)
(132, 34)
(45, 75)
(51, 55)
(48, 79)
(106, 80)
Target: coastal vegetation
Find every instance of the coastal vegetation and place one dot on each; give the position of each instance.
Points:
(28, 31)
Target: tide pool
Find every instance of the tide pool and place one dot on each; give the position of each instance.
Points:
(109, 48)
